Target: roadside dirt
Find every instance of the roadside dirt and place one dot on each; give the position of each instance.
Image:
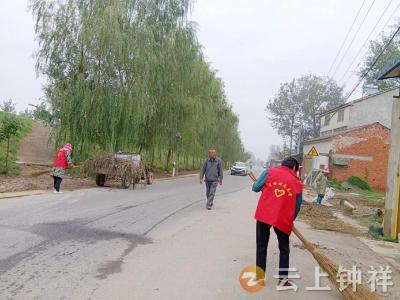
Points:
(323, 217)
(24, 182)
(333, 216)
(28, 180)
(36, 147)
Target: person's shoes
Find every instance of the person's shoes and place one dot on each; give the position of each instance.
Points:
(55, 192)
(261, 281)
(285, 283)
(208, 207)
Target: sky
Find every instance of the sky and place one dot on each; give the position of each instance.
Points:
(254, 45)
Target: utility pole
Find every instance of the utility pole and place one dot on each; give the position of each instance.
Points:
(392, 208)
(391, 225)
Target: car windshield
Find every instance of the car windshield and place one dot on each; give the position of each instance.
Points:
(239, 164)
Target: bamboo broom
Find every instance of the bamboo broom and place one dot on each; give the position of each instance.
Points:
(39, 173)
(331, 268)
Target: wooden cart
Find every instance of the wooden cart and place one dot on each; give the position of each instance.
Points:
(126, 167)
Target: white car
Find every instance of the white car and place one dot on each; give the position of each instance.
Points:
(239, 168)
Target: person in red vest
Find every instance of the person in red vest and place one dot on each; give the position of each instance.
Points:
(278, 206)
(62, 162)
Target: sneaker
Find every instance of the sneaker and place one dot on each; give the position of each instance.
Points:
(209, 207)
(261, 281)
(285, 283)
(55, 192)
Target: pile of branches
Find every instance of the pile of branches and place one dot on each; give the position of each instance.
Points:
(112, 166)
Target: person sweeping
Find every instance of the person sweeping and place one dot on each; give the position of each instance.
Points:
(62, 162)
(278, 206)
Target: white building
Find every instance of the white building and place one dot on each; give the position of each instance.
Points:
(367, 110)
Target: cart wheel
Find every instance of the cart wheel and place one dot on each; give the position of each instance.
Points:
(100, 179)
(126, 181)
(150, 178)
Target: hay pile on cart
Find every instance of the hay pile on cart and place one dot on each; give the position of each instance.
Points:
(126, 167)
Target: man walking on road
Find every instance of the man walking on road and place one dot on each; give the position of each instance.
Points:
(213, 172)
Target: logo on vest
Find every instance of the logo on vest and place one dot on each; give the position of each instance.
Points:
(279, 192)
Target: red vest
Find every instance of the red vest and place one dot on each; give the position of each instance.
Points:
(277, 204)
(61, 160)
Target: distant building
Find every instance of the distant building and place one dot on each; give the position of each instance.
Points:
(360, 112)
(354, 140)
(362, 151)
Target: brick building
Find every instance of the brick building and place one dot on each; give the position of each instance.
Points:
(361, 151)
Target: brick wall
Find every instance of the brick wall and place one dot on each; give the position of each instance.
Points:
(371, 141)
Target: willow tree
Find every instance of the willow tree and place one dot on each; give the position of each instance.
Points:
(129, 75)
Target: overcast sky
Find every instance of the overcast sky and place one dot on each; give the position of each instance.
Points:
(255, 45)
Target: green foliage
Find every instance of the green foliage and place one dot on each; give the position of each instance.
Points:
(10, 126)
(42, 113)
(129, 75)
(390, 56)
(12, 129)
(295, 110)
(8, 106)
(359, 182)
(374, 196)
(336, 185)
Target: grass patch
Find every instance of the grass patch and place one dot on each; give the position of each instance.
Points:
(336, 185)
(384, 238)
(359, 182)
(14, 146)
(371, 220)
(374, 196)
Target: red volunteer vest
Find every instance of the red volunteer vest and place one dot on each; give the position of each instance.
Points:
(61, 160)
(277, 204)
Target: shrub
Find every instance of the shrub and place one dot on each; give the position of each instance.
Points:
(359, 182)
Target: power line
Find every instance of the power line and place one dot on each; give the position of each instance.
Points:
(374, 63)
(354, 37)
(347, 35)
(372, 31)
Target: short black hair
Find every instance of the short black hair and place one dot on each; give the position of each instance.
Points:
(291, 163)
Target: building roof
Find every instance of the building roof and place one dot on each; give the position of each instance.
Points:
(392, 71)
(331, 136)
(356, 101)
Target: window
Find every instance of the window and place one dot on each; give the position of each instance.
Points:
(340, 116)
(327, 119)
(340, 129)
(328, 132)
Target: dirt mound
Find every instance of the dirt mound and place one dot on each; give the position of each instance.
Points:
(322, 217)
(37, 147)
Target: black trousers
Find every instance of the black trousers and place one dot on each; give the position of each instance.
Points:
(263, 231)
(57, 183)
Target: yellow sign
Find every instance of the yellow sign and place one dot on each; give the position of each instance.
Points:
(313, 152)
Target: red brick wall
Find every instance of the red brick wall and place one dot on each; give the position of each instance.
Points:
(368, 141)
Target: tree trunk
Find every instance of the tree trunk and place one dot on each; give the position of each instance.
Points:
(168, 159)
(152, 157)
(291, 141)
(8, 149)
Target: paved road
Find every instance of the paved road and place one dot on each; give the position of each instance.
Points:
(64, 246)
(158, 243)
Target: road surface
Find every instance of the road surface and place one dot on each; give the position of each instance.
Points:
(155, 243)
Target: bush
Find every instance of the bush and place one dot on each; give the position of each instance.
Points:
(336, 185)
(359, 182)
